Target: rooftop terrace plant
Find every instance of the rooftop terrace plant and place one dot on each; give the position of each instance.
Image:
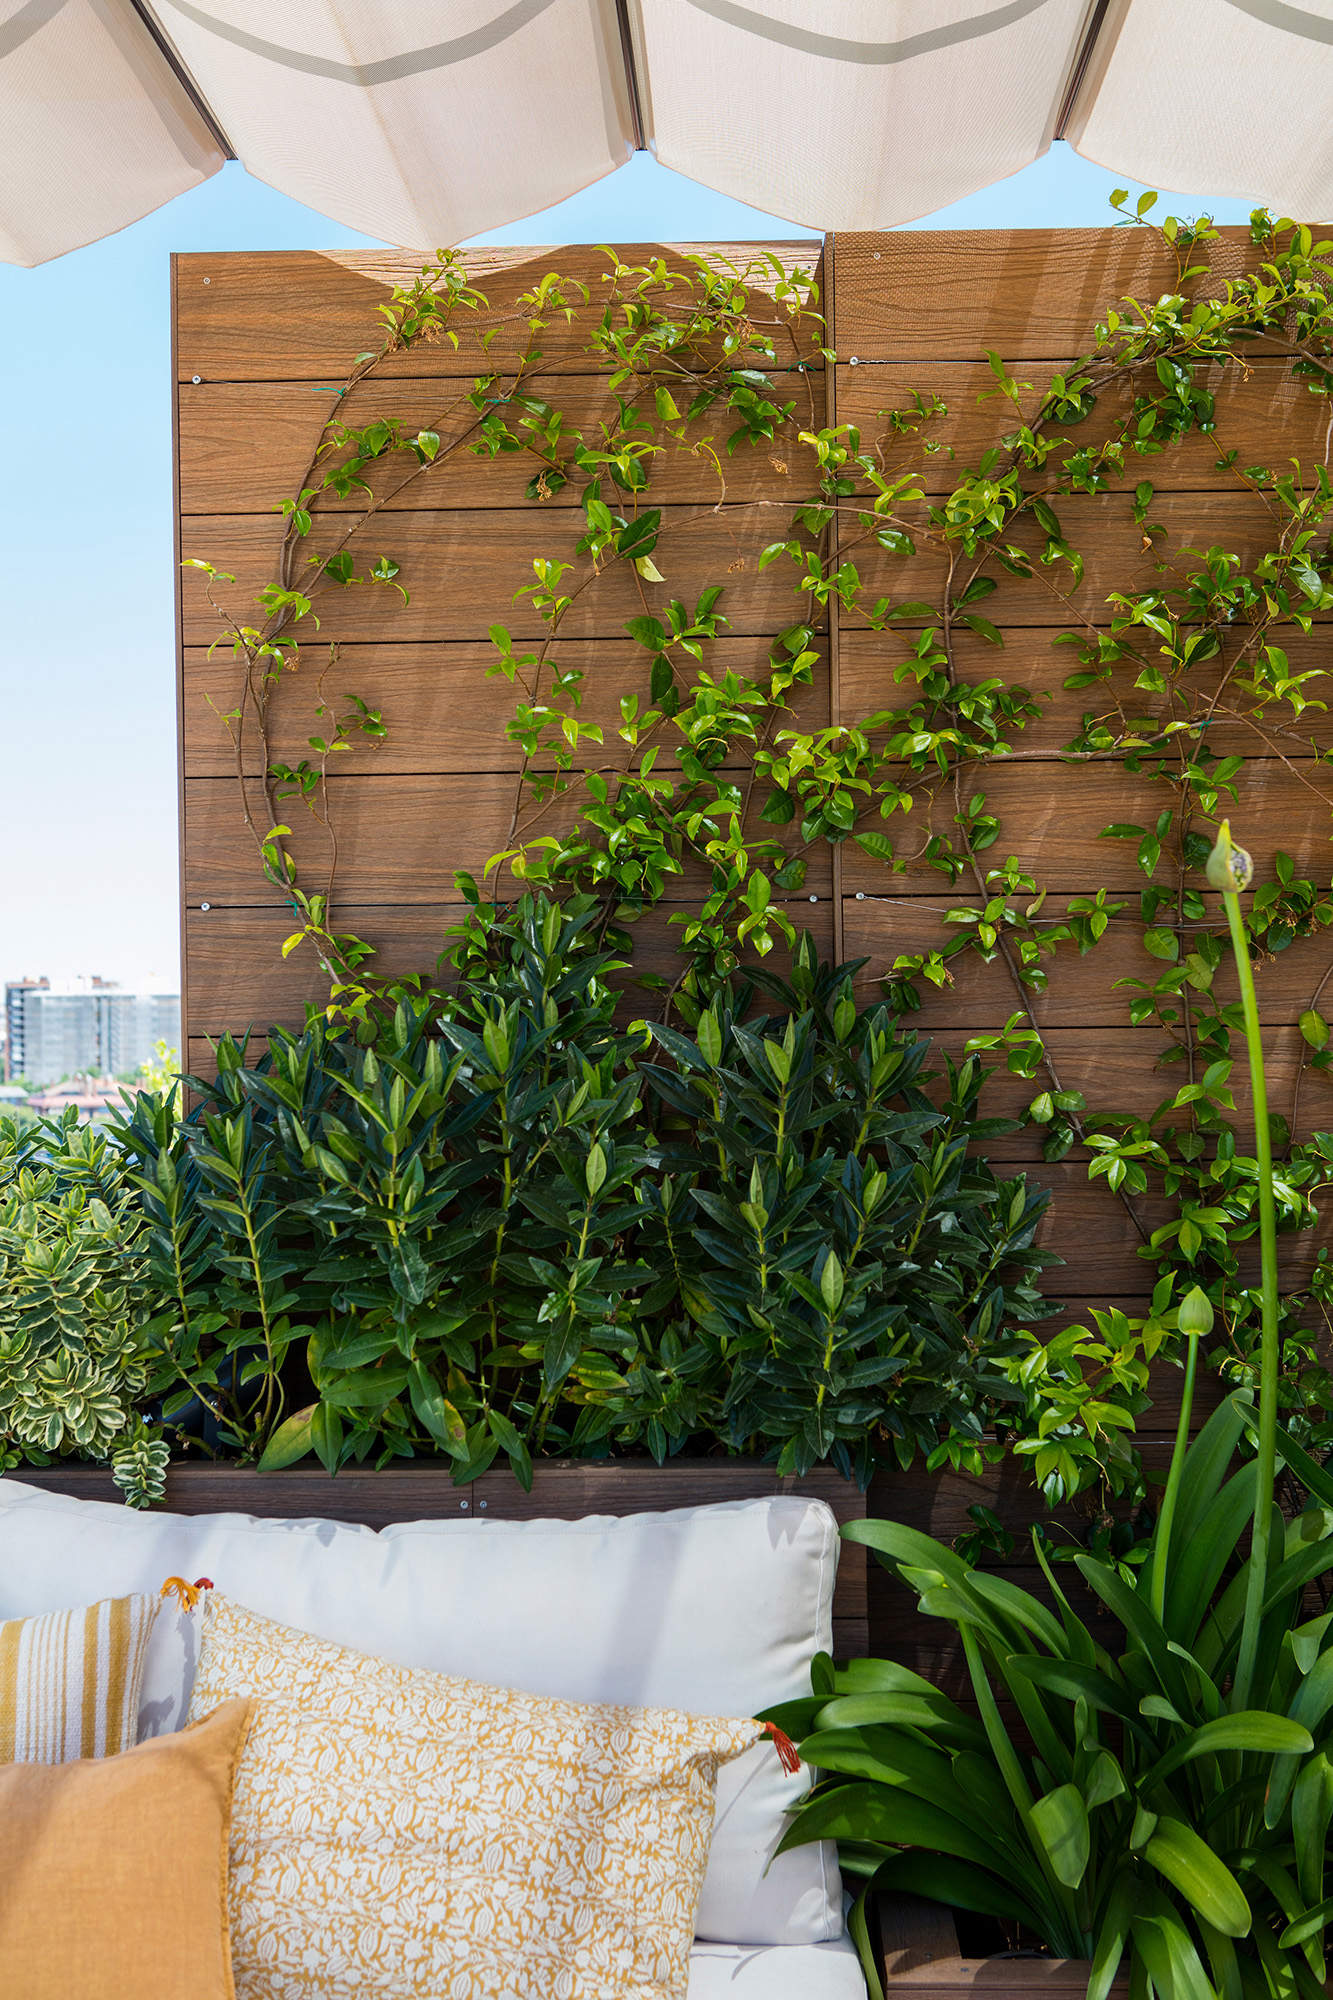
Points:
(1167, 1797)
(76, 1305)
(515, 1226)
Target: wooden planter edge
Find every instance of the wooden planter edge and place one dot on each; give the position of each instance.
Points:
(920, 1956)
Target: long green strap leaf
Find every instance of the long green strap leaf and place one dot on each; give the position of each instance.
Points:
(1204, 1880)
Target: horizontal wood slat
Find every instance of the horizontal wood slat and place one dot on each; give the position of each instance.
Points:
(243, 444)
(400, 840)
(462, 567)
(1052, 816)
(1267, 418)
(952, 294)
(303, 315)
(1033, 659)
(1101, 527)
(1082, 991)
(1116, 1071)
(442, 712)
(1094, 1236)
(240, 977)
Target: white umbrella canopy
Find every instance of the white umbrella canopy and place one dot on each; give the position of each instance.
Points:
(427, 121)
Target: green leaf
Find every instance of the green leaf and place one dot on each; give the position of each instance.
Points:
(1207, 1884)
(709, 1037)
(1314, 1028)
(873, 1813)
(957, 1884)
(1076, 1683)
(326, 1435)
(290, 1441)
(1248, 1729)
(1060, 1822)
(831, 1282)
(1112, 1938)
(594, 1172)
(638, 537)
(1310, 1923)
(1168, 1954)
(434, 1411)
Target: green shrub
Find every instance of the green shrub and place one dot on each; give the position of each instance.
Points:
(75, 1305)
(513, 1226)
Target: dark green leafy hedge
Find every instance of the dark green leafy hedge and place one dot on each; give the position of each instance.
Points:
(513, 1227)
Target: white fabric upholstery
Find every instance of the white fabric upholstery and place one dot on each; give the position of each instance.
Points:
(776, 1972)
(713, 1610)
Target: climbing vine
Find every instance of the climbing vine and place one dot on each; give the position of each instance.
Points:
(716, 799)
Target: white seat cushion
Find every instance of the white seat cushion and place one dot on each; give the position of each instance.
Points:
(776, 1972)
(714, 1610)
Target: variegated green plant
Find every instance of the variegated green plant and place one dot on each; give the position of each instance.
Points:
(75, 1306)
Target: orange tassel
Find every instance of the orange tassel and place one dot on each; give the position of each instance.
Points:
(186, 1594)
(789, 1755)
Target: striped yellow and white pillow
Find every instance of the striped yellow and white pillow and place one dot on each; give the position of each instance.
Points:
(69, 1681)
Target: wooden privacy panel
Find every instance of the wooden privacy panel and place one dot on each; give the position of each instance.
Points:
(259, 341)
(919, 312)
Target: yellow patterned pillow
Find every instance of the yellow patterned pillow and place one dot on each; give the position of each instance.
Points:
(399, 1834)
(69, 1681)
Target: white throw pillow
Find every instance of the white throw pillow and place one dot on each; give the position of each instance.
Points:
(714, 1610)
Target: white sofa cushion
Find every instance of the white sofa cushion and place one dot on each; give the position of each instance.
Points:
(776, 1972)
(715, 1610)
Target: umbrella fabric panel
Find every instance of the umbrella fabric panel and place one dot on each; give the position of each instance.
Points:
(1215, 97)
(420, 121)
(857, 114)
(95, 129)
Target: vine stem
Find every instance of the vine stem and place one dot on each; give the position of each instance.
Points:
(1265, 1465)
(978, 876)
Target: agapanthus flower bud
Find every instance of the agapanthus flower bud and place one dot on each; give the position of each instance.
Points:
(1229, 867)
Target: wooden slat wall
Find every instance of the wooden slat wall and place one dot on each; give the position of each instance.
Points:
(258, 336)
(919, 313)
(259, 339)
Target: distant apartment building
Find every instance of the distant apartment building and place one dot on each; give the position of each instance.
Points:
(97, 1029)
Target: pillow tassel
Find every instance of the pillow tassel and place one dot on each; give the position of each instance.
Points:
(186, 1594)
(789, 1755)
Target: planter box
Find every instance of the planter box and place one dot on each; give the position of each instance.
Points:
(922, 1961)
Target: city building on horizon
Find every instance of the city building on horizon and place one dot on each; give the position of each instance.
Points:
(92, 1028)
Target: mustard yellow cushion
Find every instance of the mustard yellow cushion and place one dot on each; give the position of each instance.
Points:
(401, 1835)
(69, 1681)
(113, 1870)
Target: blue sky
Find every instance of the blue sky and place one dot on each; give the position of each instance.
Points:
(86, 653)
